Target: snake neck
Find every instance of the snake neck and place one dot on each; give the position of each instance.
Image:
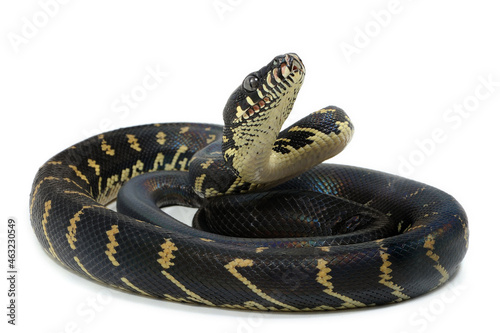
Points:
(263, 155)
(249, 147)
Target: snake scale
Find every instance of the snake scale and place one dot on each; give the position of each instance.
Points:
(275, 230)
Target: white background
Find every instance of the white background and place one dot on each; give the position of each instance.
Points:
(402, 70)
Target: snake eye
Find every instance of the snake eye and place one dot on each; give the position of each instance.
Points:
(251, 83)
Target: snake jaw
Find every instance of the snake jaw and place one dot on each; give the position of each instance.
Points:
(294, 63)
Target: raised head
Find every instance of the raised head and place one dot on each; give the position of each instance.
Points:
(255, 113)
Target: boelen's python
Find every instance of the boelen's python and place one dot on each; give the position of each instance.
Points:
(326, 236)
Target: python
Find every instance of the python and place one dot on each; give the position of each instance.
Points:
(267, 208)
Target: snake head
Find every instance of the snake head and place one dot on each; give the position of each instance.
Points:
(256, 111)
(264, 90)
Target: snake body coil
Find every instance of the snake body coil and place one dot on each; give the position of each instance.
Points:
(324, 236)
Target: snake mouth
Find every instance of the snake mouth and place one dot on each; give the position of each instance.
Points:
(285, 65)
(293, 64)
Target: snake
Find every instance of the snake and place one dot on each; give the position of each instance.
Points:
(276, 229)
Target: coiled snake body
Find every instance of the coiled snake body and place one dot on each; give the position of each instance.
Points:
(275, 230)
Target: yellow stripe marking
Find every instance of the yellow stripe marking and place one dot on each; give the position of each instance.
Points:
(134, 142)
(211, 138)
(79, 193)
(79, 173)
(125, 175)
(385, 277)
(105, 147)
(206, 164)
(176, 299)
(93, 164)
(112, 245)
(198, 183)
(128, 283)
(161, 138)
(84, 269)
(466, 231)
(250, 305)
(429, 244)
(415, 227)
(114, 182)
(71, 235)
(212, 192)
(111, 187)
(159, 160)
(48, 206)
(137, 168)
(171, 166)
(183, 164)
(35, 191)
(207, 240)
(74, 183)
(166, 257)
(323, 279)
(191, 295)
(231, 267)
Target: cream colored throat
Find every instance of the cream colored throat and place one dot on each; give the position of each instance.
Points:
(257, 162)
